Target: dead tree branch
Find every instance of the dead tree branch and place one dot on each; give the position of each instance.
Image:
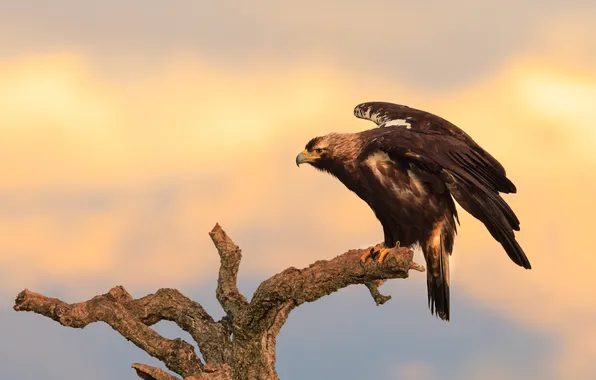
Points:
(227, 290)
(171, 305)
(242, 344)
(146, 372)
(177, 355)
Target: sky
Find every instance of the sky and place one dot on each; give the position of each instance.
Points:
(127, 130)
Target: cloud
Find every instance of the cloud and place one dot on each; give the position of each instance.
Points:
(110, 180)
(433, 45)
(419, 371)
(547, 111)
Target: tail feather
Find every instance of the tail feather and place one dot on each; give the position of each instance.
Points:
(437, 275)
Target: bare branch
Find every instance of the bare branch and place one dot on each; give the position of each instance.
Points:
(169, 304)
(417, 267)
(242, 344)
(146, 372)
(257, 326)
(373, 287)
(323, 278)
(177, 355)
(220, 373)
(227, 291)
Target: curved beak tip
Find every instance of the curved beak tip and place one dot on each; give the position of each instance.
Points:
(300, 159)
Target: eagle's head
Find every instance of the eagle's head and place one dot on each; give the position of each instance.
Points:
(324, 152)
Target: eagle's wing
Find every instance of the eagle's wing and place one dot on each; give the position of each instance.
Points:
(471, 176)
(478, 162)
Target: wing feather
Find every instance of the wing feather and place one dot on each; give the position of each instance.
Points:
(477, 161)
(473, 177)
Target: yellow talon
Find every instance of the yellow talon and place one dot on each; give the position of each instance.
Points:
(378, 253)
(382, 253)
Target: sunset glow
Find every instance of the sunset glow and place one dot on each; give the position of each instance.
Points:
(109, 177)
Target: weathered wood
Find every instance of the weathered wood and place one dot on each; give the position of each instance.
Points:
(242, 344)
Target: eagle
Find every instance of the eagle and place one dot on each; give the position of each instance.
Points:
(409, 170)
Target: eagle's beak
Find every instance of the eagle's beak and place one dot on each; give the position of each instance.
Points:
(301, 158)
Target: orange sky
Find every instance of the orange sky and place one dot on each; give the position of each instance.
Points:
(94, 164)
(64, 127)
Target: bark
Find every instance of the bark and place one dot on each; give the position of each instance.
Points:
(242, 344)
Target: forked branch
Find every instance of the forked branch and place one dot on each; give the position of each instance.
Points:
(178, 355)
(227, 291)
(242, 344)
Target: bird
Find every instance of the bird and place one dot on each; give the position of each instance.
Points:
(411, 169)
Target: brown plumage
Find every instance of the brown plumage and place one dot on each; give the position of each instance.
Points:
(408, 171)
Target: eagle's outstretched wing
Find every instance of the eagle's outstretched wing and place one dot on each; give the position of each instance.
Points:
(434, 145)
(476, 160)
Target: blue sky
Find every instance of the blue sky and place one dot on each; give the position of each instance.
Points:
(128, 130)
(340, 336)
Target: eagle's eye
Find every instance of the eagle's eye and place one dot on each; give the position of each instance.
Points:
(319, 150)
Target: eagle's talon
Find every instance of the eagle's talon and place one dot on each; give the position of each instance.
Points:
(382, 254)
(365, 257)
(374, 254)
(377, 253)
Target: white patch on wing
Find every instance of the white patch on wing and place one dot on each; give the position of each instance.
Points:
(365, 113)
(374, 117)
(398, 123)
